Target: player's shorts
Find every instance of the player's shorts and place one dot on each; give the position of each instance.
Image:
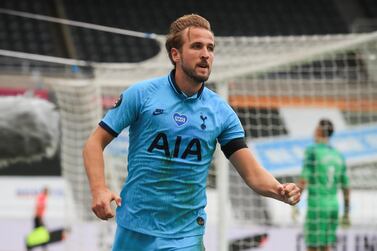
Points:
(128, 240)
(320, 227)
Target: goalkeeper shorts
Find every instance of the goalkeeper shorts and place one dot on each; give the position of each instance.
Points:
(320, 227)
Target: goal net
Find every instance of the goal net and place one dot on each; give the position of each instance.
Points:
(293, 83)
(280, 87)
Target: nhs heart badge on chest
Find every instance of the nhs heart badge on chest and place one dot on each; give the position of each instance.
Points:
(180, 119)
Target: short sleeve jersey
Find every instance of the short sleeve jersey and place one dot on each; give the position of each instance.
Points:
(325, 171)
(172, 141)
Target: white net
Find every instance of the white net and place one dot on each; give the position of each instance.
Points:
(279, 87)
(240, 56)
(279, 106)
(80, 108)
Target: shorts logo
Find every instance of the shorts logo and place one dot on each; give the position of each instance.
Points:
(180, 119)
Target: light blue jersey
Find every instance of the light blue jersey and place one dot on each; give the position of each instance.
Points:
(172, 140)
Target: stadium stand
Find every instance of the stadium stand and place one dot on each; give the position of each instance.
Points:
(27, 35)
(257, 19)
(261, 18)
(370, 7)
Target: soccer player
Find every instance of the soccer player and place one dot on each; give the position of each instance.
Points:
(324, 171)
(174, 123)
(40, 208)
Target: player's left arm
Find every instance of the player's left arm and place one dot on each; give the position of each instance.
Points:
(346, 197)
(260, 180)
(345, 219)
(346, 194)
(255, 176)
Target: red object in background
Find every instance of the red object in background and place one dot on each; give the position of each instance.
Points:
(41, 205)
(9, 91)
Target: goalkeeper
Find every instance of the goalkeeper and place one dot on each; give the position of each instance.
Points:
(174, 123)
(323, 173)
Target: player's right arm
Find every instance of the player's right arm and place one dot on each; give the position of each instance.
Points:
(94, 166)
(307, 168)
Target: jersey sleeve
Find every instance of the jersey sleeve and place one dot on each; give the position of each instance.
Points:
(232, 128)
(308, 164)
(124, 112)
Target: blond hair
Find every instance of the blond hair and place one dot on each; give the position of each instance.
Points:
(174, 38)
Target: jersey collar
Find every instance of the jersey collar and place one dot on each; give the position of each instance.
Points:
(180, 93)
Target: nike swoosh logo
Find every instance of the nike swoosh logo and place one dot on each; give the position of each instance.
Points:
(158, 112)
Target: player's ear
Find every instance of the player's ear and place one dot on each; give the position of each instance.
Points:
(175, 55)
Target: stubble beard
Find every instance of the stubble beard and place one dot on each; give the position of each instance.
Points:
(192, 74)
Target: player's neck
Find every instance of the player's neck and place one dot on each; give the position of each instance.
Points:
(320, 140)
(186, 84)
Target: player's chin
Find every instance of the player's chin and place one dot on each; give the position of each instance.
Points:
(203, 74)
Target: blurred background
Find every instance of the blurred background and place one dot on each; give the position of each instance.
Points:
(282, 65)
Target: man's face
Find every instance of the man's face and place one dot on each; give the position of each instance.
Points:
(317, 133)
(196, 55)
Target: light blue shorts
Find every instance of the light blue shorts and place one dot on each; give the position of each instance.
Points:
(128, 240)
